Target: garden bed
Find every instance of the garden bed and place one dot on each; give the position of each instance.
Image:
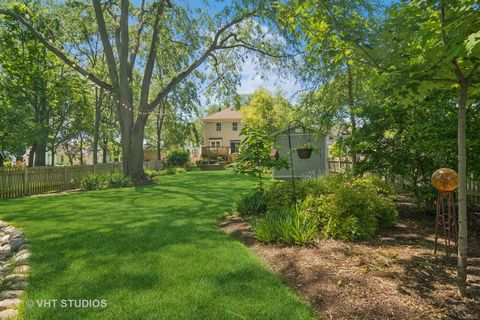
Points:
(393, 276)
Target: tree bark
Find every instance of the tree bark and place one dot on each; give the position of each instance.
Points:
(462, 190)
(41, 120)
(105, 150)
(53, 156)
(2, 157)
(40, 151)
(81, 150)
(135, 161)
(160, 118)
(31, 155)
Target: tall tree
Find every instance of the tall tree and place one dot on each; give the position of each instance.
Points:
(131, 58)
(37, 84)
(439, 41)
(266, 112)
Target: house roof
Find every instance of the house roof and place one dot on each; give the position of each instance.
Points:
(227, 114)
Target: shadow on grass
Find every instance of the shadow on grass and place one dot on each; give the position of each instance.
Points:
(152, 252)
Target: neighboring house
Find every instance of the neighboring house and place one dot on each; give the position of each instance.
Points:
(221, 134)
(195, 152)
(63, 157)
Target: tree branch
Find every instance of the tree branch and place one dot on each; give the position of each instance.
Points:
(107, 47)
(195, 64)
(59, 53)
(136, 38)
(333, 16)
(147, 74)
(123, 52)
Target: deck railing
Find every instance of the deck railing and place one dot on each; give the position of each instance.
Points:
(212, 152)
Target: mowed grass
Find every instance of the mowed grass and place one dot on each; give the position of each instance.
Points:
(152, 252)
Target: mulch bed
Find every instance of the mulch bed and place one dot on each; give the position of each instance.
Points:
(393, 276)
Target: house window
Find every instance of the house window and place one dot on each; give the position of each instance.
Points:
(218, 126)
(234, 146)
(235, 126)
(215, 143)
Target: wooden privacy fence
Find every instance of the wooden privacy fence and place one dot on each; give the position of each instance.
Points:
(18, 182)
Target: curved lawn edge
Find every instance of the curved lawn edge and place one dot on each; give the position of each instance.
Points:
(152, 252)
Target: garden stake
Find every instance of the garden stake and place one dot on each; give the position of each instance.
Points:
(294, 198)
(445, 181)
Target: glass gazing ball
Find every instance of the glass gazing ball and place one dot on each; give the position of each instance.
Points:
(445, 180)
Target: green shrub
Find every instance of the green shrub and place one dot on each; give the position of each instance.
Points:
(201, 162)
(99, 181)
(345, 207)
(251, 204)
(177, 157)
(286, 225)
(171, 171)
(94, 181)
(152, 173)
(180, 170)
(352, 208)
(118, 180)
(280, 194)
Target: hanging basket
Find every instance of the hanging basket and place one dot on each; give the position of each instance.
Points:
(304, 153)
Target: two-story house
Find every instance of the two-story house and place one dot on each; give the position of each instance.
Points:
(221, 134)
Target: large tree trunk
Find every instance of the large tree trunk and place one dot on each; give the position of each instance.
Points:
(41, 120)
(40, 151)
(53, 156)
(81, 150)
(31, 155)
(105, 149)
(462, 190)
(133, 160)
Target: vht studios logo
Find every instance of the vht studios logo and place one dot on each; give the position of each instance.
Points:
(66, 303)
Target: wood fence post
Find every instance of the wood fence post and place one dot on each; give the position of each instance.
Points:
(65, 179)
(25, 182)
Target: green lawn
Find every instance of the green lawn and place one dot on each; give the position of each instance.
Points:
(153, 252)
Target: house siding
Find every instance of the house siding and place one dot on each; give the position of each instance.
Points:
(226, 135)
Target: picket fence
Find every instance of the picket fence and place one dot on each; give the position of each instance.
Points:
(19, 182)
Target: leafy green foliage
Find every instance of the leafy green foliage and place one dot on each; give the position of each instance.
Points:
(118, 180)
(254, 158)
(177, 157)
(94, 181)
(99, 181)
(171, 171)
(251, 204)
(287, 225)
(267, 113)
(411, 141)
(350, 208)
(346, 207)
